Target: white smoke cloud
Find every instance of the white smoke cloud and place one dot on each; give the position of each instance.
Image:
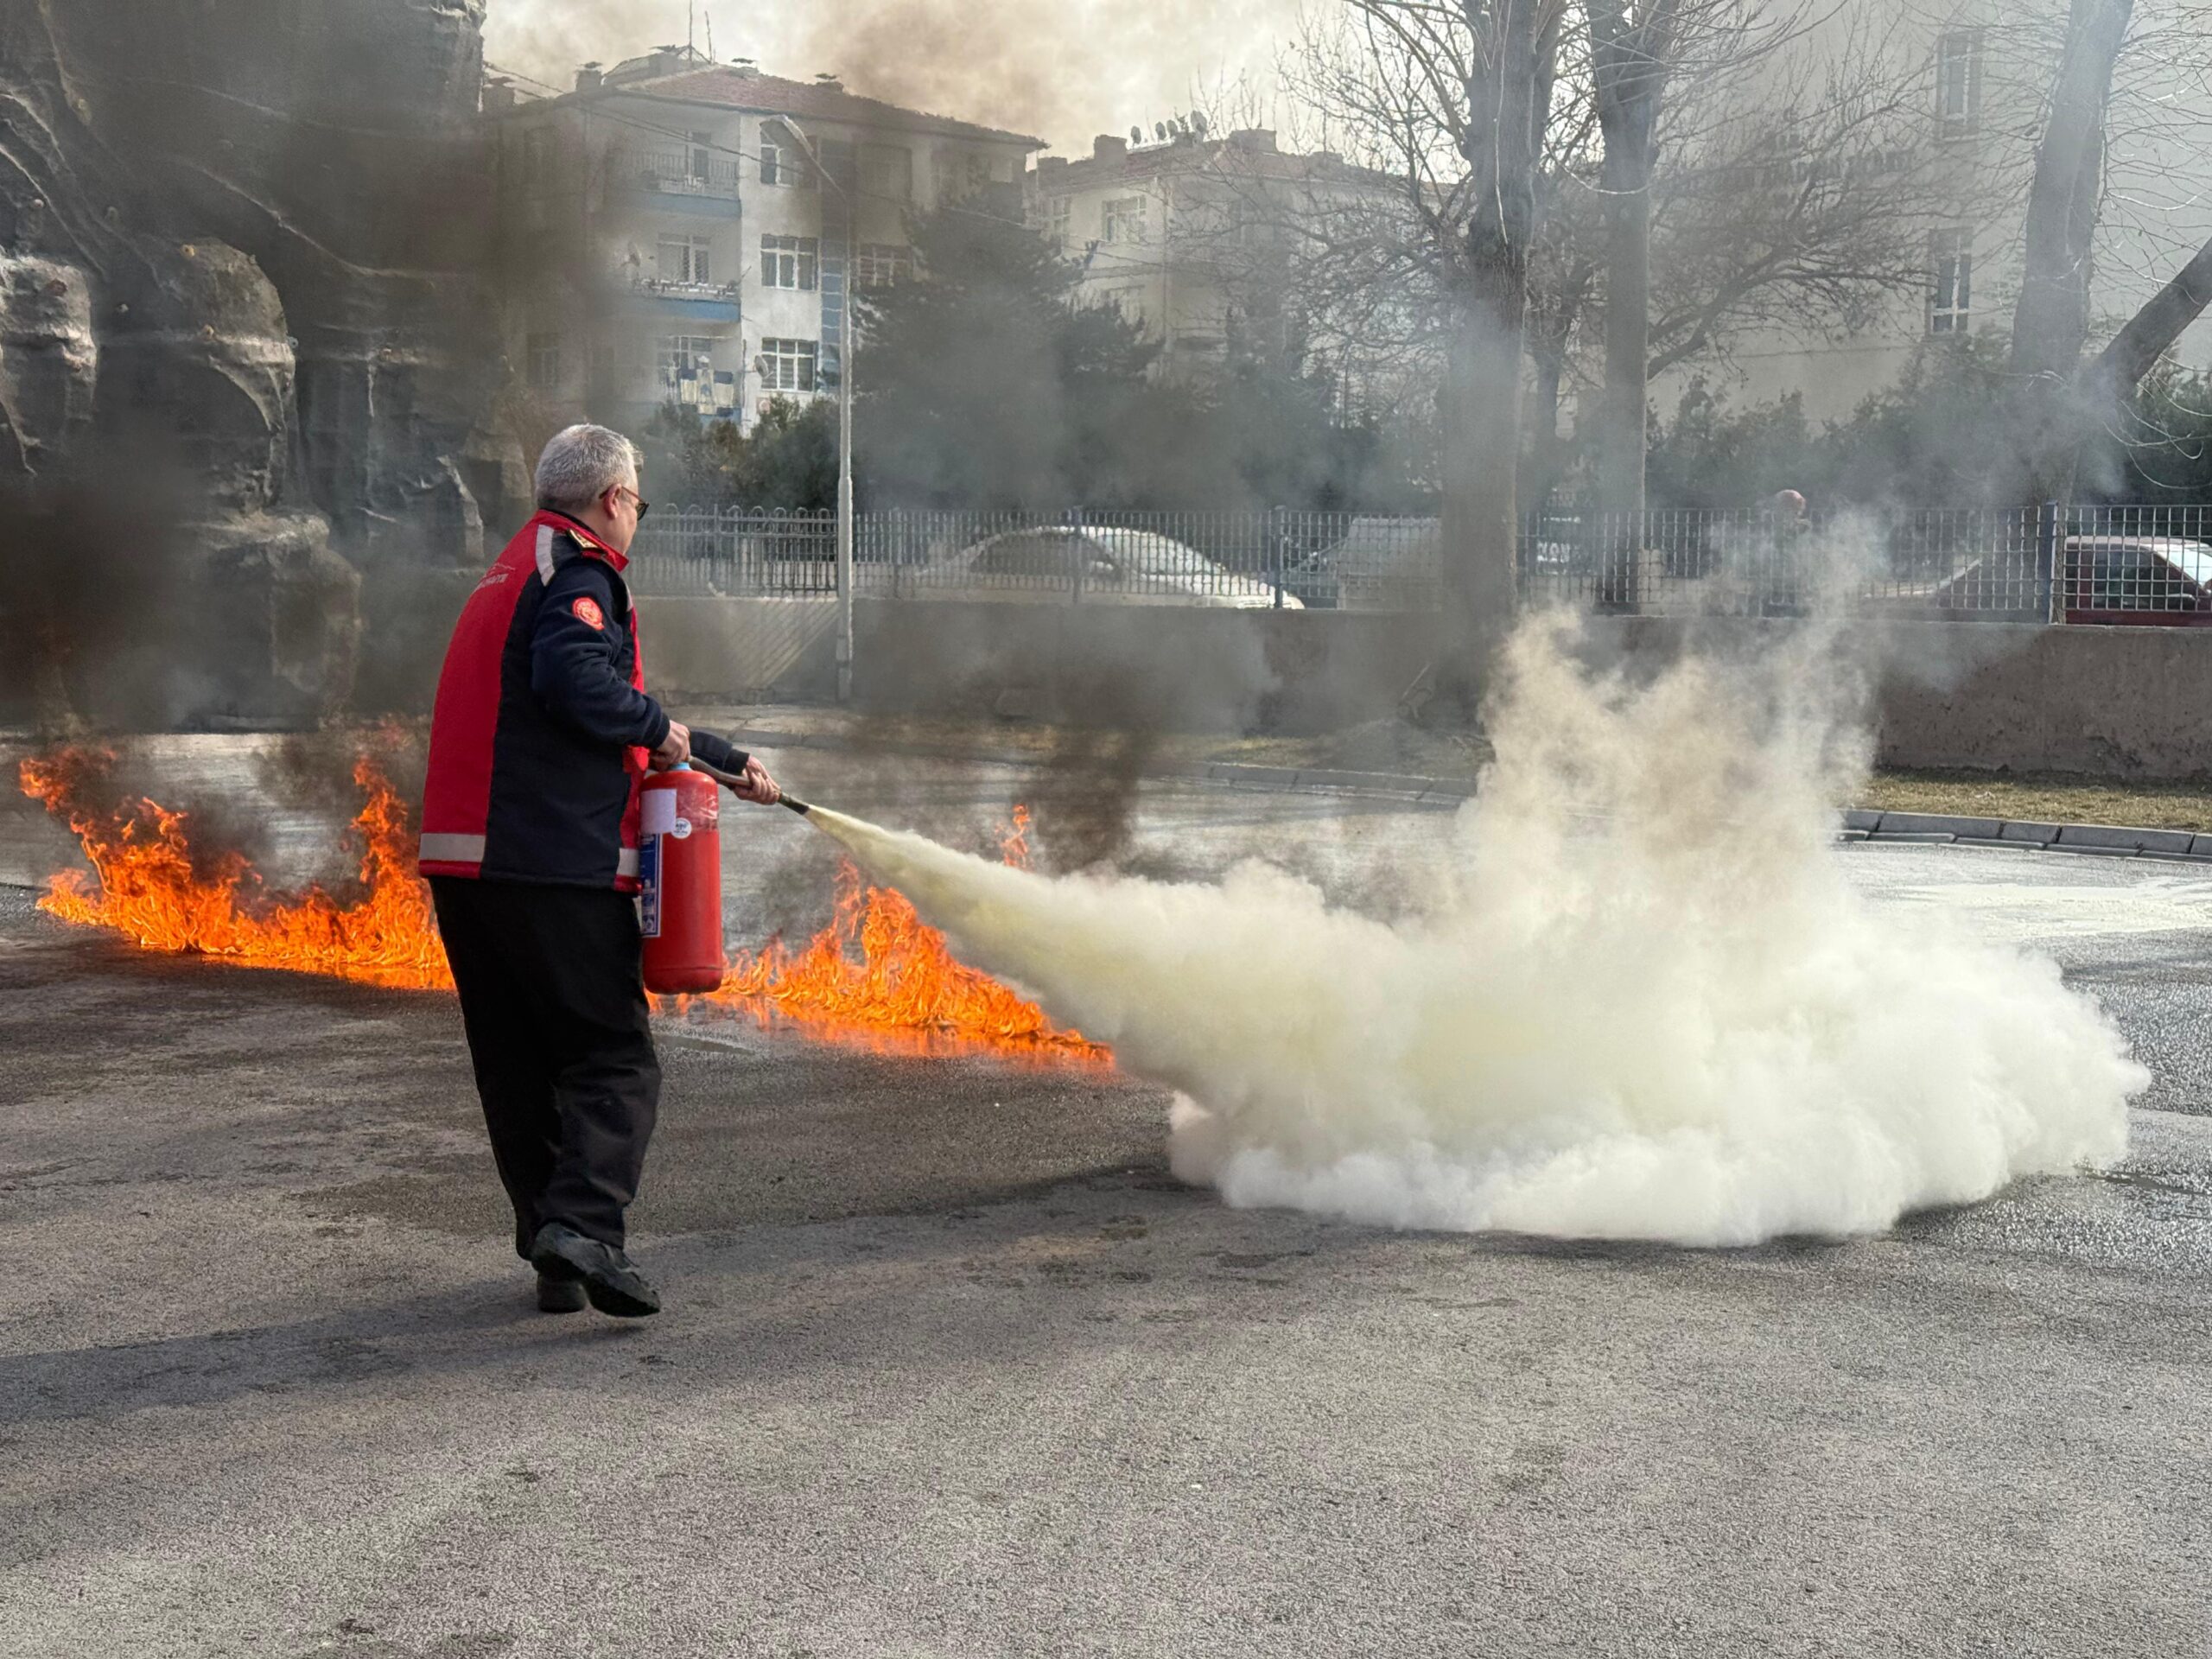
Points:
(1062, 69)
(1676, 1021)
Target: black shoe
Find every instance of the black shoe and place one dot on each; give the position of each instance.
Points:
(560, 1295)
(612, 1285)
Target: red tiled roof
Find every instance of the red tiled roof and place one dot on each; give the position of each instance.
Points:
(772, 95)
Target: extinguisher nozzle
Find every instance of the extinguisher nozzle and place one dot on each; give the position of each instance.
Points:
(797, 805)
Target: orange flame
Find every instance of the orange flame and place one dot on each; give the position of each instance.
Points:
(878, 967)
(152, 890)
(875, 975)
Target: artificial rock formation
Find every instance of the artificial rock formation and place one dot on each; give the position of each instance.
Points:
(246, 340)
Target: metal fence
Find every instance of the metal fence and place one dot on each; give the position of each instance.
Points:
(1246, 560)
(2101, 564)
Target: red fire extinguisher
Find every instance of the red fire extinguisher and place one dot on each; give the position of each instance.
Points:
(680, 882)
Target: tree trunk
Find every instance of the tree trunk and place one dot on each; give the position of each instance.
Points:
(1509, 103)
(1481, 422)
(1629, 64)
(1622, 437)
(1549, 330)
(2090, 401)
(2051, 321)
(2149, 334)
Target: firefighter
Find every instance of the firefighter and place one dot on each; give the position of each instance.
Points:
(542, 733)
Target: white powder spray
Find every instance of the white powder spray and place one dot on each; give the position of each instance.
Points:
(1647, 1005)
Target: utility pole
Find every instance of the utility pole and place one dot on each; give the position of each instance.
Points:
(846, 353)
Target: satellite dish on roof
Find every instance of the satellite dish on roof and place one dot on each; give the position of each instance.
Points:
(1136, 135)
(1198, 123)
(1160, 132)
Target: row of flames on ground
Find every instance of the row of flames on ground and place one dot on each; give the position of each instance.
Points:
(877, 975)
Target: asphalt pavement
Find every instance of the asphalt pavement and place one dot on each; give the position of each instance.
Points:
(951, 1365)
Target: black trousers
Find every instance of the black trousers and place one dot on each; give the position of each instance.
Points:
(553, 996)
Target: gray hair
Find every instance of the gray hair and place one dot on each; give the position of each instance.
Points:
(581, 464)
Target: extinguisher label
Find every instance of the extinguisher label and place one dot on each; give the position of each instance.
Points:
(649, 888)
(681, 830)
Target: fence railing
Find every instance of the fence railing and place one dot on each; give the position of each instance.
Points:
(2104, 564)
(685, 170)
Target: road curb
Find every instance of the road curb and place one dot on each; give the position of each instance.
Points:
(1859, 823)
(2090, 839)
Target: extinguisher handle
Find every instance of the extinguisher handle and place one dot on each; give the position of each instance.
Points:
(731, 780)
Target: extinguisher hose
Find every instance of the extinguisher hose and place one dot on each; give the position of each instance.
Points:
(731, 780)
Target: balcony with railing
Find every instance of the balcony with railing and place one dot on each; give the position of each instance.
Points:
(687, 171)
(718, 300)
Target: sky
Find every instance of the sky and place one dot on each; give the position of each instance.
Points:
(1061, 69)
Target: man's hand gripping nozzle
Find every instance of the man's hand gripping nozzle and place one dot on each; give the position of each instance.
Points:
(731, 780)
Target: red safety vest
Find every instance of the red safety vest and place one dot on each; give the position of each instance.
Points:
(512, 793)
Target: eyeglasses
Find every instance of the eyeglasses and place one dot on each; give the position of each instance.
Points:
(644, 505)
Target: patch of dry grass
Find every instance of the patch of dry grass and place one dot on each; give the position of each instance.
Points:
(2045, 798)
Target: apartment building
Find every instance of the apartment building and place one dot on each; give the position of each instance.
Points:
(1184, 232)
(1979, 74)
(679, 231)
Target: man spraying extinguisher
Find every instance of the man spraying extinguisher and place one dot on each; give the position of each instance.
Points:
(542, 736)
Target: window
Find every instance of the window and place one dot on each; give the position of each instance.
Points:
(782, 161)
(543, 353)
(880, 264)
(701, 144)
(1061, 211)
(688, 375)
(788, 262)
(1950, 268)
(685, 357)
(1044, 553)
(685, 260)
(979, 171)
(1958, 83)
(1124, 219)
(786, 365)
(887, 171)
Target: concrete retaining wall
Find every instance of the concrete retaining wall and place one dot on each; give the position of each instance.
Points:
(2102, 701)
(2108, 703)
(2116, 702)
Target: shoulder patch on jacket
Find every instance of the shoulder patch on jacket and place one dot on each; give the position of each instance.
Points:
(588, 613)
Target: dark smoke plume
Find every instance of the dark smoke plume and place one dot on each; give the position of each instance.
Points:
(91, 595)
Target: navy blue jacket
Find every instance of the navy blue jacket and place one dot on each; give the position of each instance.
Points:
(544, 730)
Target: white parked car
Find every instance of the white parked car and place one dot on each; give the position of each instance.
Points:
(1061, 563)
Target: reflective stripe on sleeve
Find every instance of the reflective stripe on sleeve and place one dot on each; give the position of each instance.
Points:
(452, 850)
(546, 562)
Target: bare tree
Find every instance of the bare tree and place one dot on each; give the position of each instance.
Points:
(1786, 192)
(1450, 102)
(2066, 402)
